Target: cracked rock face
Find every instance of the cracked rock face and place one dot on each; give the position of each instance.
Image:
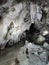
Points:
(18, 19)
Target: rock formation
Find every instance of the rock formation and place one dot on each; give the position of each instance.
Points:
(22, 20)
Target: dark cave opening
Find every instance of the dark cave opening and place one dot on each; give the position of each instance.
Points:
(32, 33)
(33, 29)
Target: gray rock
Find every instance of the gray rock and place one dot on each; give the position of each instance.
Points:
(40, 39)
(33, 58)
(46, 45)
